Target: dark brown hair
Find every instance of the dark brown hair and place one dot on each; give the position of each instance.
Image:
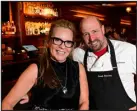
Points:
(46, 71)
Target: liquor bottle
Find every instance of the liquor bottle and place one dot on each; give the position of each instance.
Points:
(36, 30)
(8, 28)
(27, 27)
(3, 28)
(31, 29)
(42, 29)
(13, 28)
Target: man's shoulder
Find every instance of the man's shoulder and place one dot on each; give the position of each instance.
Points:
(78, 50)
(121, 46)
(78, 54)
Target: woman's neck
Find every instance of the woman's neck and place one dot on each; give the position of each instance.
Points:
(57, 61)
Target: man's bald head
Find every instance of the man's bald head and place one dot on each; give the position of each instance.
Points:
(90, 19)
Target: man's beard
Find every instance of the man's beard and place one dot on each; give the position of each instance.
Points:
(95, 45)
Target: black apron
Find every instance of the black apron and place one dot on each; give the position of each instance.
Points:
(105, 88)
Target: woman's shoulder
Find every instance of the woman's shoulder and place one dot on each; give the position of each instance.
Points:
(33, 66)
(32, 70)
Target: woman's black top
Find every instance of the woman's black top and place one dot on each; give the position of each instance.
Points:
(47, 98)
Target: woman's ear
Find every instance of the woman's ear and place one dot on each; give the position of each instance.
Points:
(46, 43)
(70, 54)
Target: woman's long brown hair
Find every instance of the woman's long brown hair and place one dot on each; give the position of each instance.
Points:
(46, 71)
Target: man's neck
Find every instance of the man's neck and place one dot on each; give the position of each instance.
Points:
(101, 52)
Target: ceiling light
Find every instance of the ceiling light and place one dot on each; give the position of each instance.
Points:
(128, 9)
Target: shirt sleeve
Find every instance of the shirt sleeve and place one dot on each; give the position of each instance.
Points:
(133, 57)
(78, 55)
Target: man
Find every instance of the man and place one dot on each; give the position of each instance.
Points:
(110, 67)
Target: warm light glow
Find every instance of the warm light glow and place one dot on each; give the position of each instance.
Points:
(40, 8)
(126, 22)
(104, 4)
(84, 15)
(129, 4)
(122, 20)
(49, 11)
(88, 13)
(37, 28)
(128, 9)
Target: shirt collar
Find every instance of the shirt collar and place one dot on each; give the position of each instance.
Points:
(91, 54)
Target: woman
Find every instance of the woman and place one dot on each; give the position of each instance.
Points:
(59, 82)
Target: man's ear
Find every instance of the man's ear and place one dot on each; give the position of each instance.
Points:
(103, 29)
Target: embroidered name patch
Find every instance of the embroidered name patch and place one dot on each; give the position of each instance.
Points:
(104, 76)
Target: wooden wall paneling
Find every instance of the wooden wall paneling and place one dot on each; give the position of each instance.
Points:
(20, 15)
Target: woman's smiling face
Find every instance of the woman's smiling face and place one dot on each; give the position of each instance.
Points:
(60, 52)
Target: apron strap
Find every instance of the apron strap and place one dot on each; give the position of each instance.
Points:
(85, 58)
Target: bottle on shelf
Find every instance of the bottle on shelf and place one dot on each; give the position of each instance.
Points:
(8, 28)
(3, 28)
(13, 28)
(42, 29)
(31, 29)
(35, 30)
(27, 27)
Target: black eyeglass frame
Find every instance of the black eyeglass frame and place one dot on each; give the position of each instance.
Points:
(61, 41)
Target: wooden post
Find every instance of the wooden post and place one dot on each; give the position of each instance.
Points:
(10, 12)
